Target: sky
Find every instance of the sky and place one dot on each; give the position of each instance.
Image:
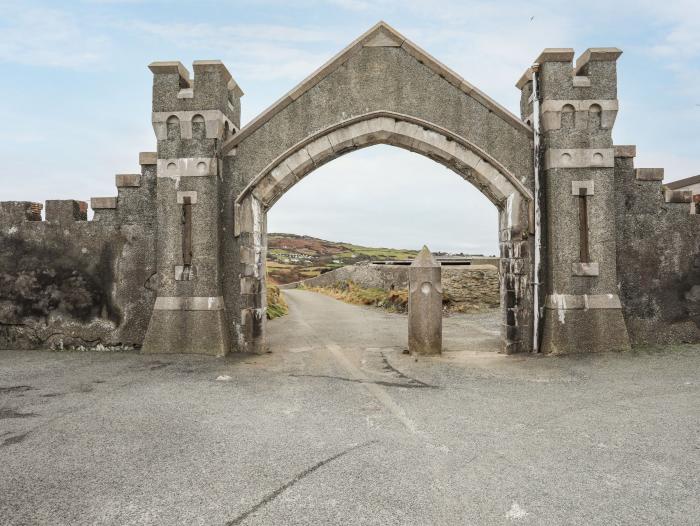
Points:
(76, 95)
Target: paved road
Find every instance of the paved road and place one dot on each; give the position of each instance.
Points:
(337, 426)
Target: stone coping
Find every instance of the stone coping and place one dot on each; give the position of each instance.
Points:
(625, 150)
(148, 158)
(597, 54)
(169, 67)
(103, 202)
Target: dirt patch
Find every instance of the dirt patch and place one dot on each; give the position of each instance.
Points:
(276, 306)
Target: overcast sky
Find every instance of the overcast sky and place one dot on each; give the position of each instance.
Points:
(76, 95)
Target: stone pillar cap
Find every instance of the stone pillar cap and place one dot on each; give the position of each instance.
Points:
(625, 150)
(598, 54)
(524, 79)
(203, 65)
(555, 54)
(213, 65)
(425, 258)
(148, 157)
(171, 66)
(233, 86)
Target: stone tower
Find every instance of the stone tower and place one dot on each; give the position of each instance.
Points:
(577, 109)
(191, 117)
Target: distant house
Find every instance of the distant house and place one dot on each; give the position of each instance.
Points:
(689, 183)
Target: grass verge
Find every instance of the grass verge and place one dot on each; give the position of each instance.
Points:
(276, 306)
(349, 292)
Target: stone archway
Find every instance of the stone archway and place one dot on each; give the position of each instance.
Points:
(382, 88)
(472, 163)
(206, 190)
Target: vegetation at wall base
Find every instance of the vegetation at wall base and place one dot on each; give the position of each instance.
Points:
(276, 306)
(392, 300)
(349, 292)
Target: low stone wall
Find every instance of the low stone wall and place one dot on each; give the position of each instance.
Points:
(465, 286)
(369, 276)
(471, 287)
(67, 282)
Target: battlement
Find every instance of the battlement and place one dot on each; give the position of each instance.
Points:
(589, 85)
(134, 203)
(644, 187)
(205, 107)
(12, 212)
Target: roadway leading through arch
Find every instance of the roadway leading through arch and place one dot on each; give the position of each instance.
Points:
(476, 166)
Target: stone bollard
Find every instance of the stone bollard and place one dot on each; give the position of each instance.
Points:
(424, 305)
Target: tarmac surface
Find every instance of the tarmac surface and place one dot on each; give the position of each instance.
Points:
(337, 426)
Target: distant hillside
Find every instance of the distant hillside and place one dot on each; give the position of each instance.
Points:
(292, 258)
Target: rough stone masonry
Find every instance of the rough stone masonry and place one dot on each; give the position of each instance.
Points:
(175, 262)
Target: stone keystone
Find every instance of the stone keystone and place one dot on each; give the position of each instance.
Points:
(425, 305)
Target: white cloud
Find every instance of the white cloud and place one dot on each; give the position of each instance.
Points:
(259, 52)
(208, 35)
(47, 37)
(352, 5)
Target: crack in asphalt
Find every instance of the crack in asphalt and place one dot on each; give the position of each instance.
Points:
(389, 367)
(11, 413)
(14, 440)
(16, 388)
(308, 471)
(418, 385)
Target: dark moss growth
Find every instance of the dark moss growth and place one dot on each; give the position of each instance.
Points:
(55, 282)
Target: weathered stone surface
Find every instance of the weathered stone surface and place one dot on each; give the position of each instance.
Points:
(649, 174)
(568, 331)
(678, 196)
(67, 282)
(628, 150)
(424, 305)
(148, 158)
(658, 261)
(66, 211)
(103, 202)
(187, 331)
(127, 180)
(12, 212)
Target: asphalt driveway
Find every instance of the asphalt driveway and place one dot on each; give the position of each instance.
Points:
(337, 426)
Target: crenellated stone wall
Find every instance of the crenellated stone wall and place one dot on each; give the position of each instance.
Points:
(658, 255)
(176, 260)
(68, 282)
